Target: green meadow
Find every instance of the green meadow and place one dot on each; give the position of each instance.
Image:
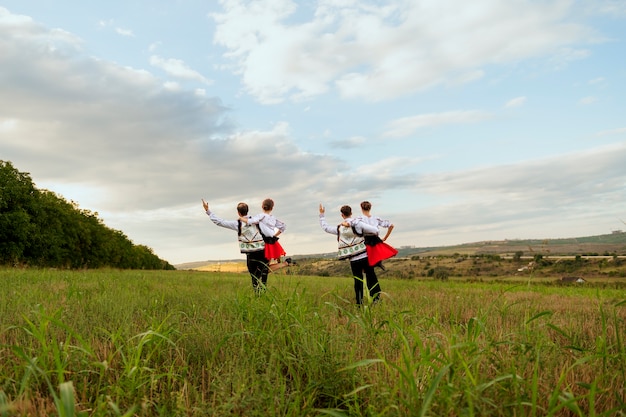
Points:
(185, 343)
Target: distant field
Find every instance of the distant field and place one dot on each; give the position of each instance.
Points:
(191, 343)
(593, 248)
(222, 267)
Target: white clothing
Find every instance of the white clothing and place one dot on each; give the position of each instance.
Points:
(269, 224)
(360, 228)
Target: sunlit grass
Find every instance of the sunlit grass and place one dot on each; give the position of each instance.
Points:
(116, 343)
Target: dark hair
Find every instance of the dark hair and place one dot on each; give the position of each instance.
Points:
(268, 204)
(242, 209)
(366, 205)
(346, 211)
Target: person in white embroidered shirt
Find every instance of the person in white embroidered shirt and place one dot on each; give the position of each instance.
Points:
(270, 228)
(377, 249)
(250, 243)
(352, 247)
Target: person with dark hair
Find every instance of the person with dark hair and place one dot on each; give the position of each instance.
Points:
(377, 249)
(351, 244)
(250, 243)
(270, 228)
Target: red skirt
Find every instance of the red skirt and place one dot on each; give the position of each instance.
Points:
(274, 251)
(379, 252)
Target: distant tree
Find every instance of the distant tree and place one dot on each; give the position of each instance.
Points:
(440, 273)
(17, 199)
(518, 256)
(40, 228)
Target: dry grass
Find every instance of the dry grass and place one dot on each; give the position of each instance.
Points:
(222, 267)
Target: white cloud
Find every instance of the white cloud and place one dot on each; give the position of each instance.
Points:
(154, 46)
(576, 175)
(618, 131)
(467, 77)
(389, 168)
(105, 23)
(615, 8)
(177, 68)
(381, 50)
(7, 125)
(353, 142)
(140, 145)
(124, 32)
(588, 100)
(406, 126)
(579, 188)
(565, 56)
(516, 102)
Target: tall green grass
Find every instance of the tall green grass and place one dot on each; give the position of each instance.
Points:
(120, 343)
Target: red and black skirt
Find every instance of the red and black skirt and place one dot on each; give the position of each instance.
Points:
(273, 249)
(377, 250)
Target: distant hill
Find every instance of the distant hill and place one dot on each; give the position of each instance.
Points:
(608, 244)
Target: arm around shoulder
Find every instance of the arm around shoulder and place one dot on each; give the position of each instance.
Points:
(363, 227)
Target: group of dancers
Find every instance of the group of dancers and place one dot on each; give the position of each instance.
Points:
(357, 237)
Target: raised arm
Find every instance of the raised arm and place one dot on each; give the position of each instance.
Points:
(325, 226)
(228, 224)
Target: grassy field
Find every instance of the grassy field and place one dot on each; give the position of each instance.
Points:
(190, 343)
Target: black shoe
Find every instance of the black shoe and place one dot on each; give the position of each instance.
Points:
(381, 266)
(288, 261)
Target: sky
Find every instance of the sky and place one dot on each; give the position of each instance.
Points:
(459, 121)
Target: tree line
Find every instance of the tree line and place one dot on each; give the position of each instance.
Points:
(40, 228)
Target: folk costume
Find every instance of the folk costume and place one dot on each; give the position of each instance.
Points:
(252, 245)
(351, 246)
(268, 225)
(377, 249)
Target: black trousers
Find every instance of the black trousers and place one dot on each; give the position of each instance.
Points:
(259, 268)
(359, 268)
